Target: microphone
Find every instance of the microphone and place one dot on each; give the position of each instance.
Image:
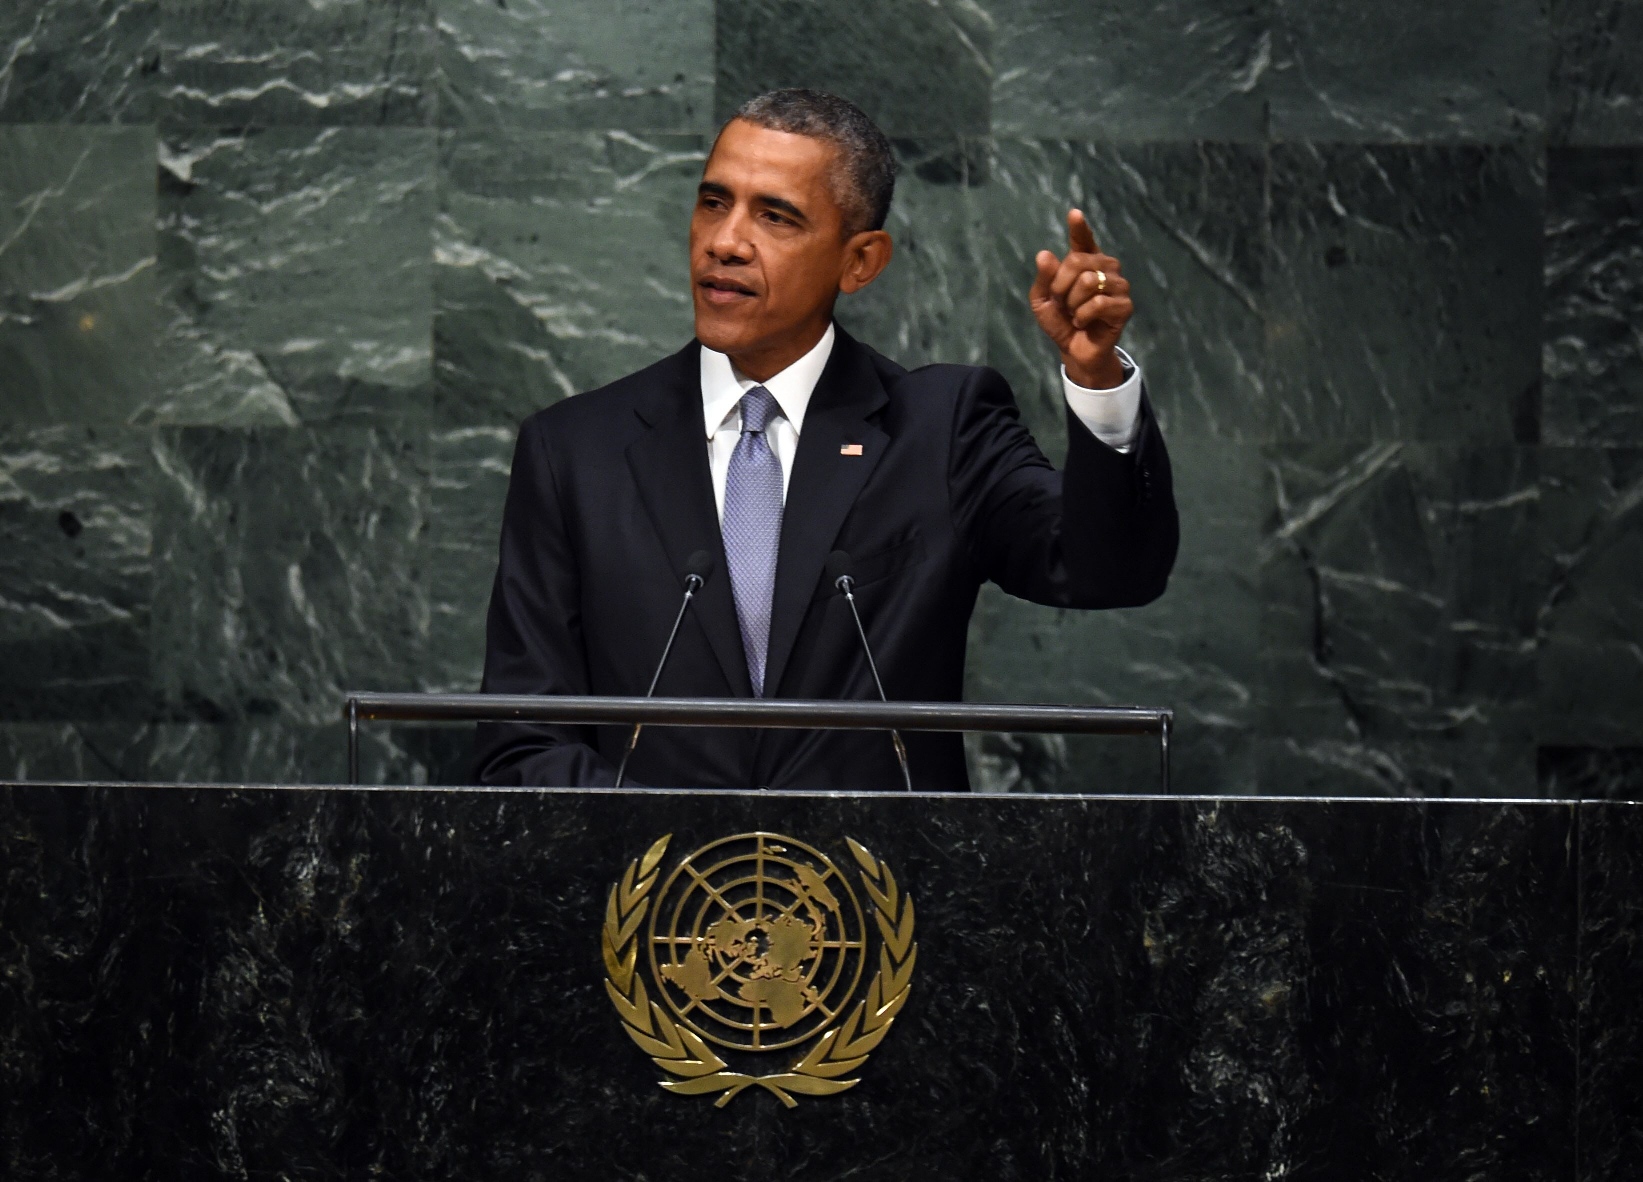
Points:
(697, 569)
(838, 570)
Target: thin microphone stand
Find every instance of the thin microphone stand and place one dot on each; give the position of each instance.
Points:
(693, 584)
(844, 583)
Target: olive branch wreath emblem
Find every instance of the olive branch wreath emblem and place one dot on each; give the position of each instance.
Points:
(680, 1052)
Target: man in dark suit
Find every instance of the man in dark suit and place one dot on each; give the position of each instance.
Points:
(774, 439)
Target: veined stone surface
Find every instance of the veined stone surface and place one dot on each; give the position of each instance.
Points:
(1405, 71)
(1592, 773)
(229, 63)
(526, 65)
(1611, 1039)
(1593, 352)
(1590, 672)
(1189, 988)
(562, 264)
(1597, 72)
(297, 276)
(467, 484)
(1132, 70)
(928, 72)
(76, 556)
(1400, 768)
(270, 607)
(77, 267)
(79, 61)
(1386, 610)
(1404, 293)
(280, 278)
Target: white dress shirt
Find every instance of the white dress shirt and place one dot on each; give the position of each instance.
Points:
(1111, 415)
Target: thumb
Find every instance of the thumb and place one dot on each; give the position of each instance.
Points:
(1047, 265)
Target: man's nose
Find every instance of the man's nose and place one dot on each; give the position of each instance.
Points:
(730, 242)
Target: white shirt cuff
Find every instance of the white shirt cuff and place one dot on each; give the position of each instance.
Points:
(1113, 416)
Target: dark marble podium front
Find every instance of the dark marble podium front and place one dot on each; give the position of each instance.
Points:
(351, 983)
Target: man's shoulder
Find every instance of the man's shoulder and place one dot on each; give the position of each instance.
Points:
(934, 379)
(613, 403)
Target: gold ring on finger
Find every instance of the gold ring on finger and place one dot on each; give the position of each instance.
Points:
(1100, 282)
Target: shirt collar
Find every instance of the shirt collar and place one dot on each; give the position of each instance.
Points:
(723, 385)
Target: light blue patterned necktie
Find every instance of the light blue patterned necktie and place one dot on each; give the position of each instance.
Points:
(753, 528)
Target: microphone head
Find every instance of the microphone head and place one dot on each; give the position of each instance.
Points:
(839, 566)
(697, 569)
(699, 564)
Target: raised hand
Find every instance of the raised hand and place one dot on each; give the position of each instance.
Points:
(1082, 303)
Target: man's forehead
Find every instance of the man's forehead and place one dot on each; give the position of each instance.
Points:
(749, 156)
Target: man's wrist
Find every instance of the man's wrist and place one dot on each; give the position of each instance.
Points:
(1113, 415)
(1106, 374)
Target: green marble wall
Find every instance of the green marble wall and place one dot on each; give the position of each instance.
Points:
(278, 279)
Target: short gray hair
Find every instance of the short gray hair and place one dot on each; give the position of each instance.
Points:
(869, 163)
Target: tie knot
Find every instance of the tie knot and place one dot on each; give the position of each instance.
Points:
(758, 407)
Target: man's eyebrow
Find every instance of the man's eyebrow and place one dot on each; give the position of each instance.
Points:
(781, 205)
(768, 200)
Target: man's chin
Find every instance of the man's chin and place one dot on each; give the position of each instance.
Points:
(724, 334)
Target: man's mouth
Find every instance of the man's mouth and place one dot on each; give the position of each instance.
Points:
(720, 290)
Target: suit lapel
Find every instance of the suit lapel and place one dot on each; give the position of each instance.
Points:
(824, 485)
(670, 467)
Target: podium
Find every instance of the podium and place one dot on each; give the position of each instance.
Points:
(334, 982)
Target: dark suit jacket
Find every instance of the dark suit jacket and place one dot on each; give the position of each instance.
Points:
(611, 493)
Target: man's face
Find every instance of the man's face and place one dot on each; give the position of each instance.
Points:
(767, 245)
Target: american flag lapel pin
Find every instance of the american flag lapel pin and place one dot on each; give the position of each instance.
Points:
(850, 449)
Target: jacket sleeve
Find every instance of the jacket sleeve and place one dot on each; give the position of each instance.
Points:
(1103, 533)
(533, 634)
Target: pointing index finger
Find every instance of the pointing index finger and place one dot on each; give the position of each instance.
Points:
(1079, 234)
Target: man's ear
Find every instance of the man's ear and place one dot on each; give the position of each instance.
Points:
(865, 255)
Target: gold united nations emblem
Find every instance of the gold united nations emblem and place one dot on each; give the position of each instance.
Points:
(753, 944)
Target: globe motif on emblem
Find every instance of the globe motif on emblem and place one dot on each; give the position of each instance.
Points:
(757, 942)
